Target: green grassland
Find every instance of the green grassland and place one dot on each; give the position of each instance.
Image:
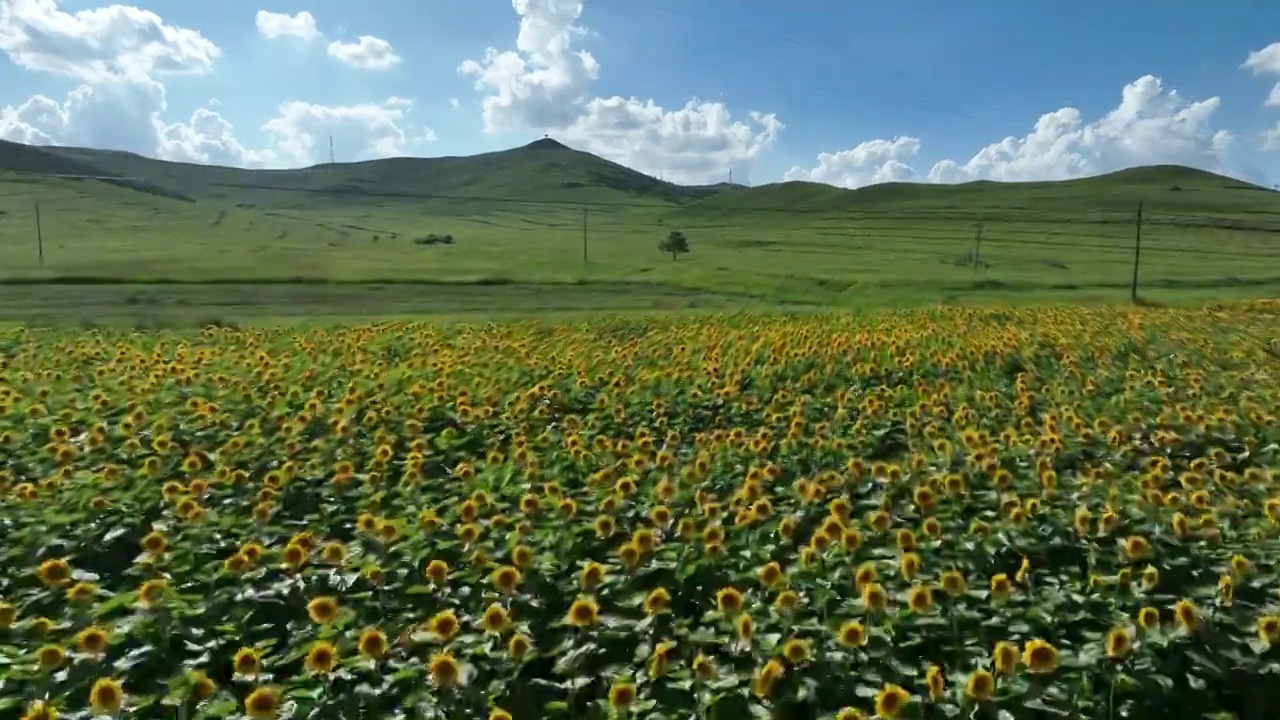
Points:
(152, 238)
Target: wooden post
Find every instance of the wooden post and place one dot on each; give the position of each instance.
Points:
(39, 235)
(1137, 254)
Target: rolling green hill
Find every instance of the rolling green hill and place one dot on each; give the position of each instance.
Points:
(547, 171)
(1168, 188)
(559, 228)
(544, 170)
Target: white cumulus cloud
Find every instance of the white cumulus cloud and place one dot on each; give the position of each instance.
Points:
(1266, 62)
(868, 163)
(1271, 138)
(1151, 125)
(544, 84)
(126, 115)
(366, 53)
(120, 54)
(101, 44)
(300, 131)
(273, 25)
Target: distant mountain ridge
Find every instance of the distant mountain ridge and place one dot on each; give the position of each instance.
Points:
(549, 171)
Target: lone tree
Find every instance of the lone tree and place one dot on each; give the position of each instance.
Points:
(676, 244)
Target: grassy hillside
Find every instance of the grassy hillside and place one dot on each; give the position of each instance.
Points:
(150, 221)
(541, 171)
(1188, 190)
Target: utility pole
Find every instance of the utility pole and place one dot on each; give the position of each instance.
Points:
(39, 235)
(584, 236)
(1137, 254)
(977, 245)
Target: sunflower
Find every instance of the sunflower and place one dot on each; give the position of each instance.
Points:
(82, 591)
(909, 565)
(247, 662)
(292, 557)
(745, 626)
(592, 575)
(323, 610)
(920, 598)
(629, 554)
(106, 697)
(202, 688)
(1005, 657)
(874, 597)
(622, 695)
(850, 713)
(437, 571)
(729, 600)
(51, 656)
(852, 634)
(506, 579)
(154, 543)
(495, 619)
(1148, 618)
(1150, 578)
(1119, 643)
(262, 704)
(980, 685)
(865, 575)
(8, 614)
(92, 641)
(851, 540)
(55, 572)
(786, 602)
(518, 646)
(1000, 586)
(1269, 629)
(1040, 657)
(771, 574)
(703, 667)
(890, 701)
(322, 657)
(935, 681)
(499, 714)
(604, 526)
(1240, 565)
(795, 651)
(444, 670)
(657, 601)
(645, 539)
(443, 625)
(152, 593)
(765, 677)
(41, 710)
(953, 583)
(583, 613)
(521, 556)
(372, 644)
(1186, 614)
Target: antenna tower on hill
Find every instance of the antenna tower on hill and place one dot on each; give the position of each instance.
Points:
(331, 160)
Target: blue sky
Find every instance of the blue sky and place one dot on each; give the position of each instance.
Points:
(886, 90)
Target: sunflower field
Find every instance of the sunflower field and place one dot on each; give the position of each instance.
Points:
(955, 513)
